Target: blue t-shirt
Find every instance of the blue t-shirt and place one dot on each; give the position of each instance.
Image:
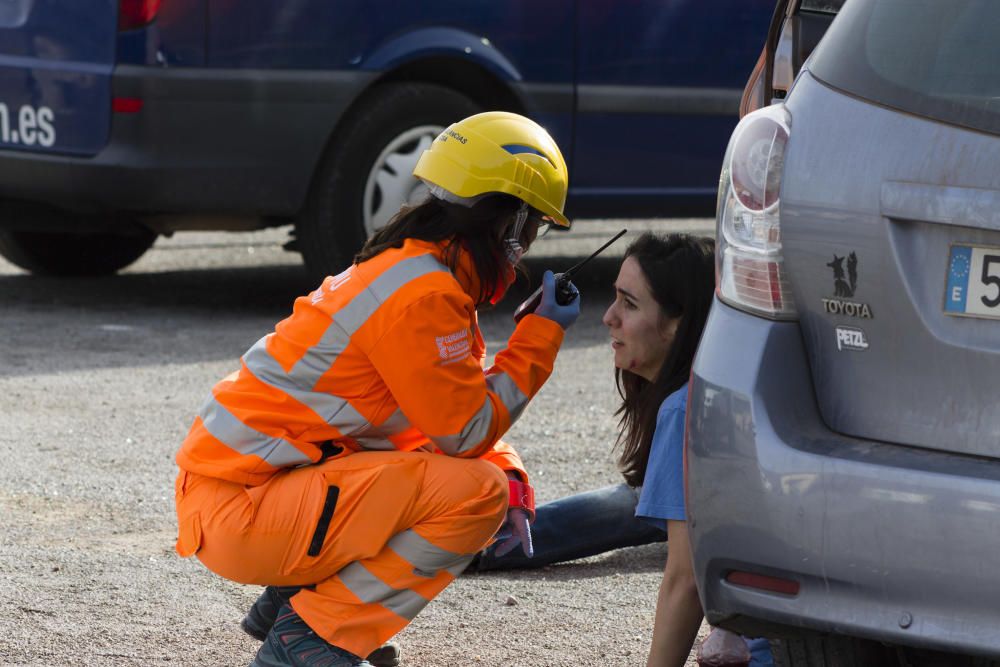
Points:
(662, 494)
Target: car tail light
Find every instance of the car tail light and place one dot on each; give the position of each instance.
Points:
(126, 104)
(763, 582)
(750, 267)
(137, 13)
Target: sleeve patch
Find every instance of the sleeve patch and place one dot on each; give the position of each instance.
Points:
(455, 346)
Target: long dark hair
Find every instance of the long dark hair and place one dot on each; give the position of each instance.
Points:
(479, 229)
(680, 272)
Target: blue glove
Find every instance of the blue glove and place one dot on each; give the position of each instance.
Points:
(514, 531)
(564, 316)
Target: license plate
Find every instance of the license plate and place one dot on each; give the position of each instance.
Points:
(973, 282)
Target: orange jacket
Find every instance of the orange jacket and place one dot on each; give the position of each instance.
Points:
(386, 355)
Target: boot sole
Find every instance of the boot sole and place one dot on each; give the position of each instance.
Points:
(253, 630)
(383, 656)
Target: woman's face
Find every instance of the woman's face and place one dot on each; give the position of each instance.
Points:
(641, 333)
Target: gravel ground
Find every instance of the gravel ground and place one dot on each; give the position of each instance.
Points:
(99, 381)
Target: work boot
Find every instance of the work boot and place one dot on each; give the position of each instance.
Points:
(386, 655)
(292, 643)
(259, 619)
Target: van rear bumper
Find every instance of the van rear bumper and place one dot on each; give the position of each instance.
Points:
(884, 541)
(205, 141)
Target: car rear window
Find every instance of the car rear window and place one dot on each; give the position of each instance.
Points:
(928, 57)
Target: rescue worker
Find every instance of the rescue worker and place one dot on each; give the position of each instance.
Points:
(353, 465)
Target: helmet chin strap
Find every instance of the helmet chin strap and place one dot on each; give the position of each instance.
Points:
(512, 245)
(513, 251)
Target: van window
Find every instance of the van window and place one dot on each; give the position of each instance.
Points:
(927, 57)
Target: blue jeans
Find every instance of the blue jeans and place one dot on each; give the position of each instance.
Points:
(578, 526)
(760, 652)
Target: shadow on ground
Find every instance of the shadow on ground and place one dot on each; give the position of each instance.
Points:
(650, 558)
(198, 315)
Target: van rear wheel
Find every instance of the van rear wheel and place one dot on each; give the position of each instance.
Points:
(74, 254)
(829, 651)
(841, 651)
(366, 174)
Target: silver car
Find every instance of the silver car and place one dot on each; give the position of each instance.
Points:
(843, 444)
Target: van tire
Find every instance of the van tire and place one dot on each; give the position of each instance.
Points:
(829, 651)
(74, 254)
(331, 230)
(841, 651)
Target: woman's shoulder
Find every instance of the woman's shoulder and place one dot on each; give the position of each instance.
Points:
(414, 261)
(670, 418)
(677, 400)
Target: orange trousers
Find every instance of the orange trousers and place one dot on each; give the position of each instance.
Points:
(375, 535)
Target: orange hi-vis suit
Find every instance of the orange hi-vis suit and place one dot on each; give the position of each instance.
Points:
(357, 451)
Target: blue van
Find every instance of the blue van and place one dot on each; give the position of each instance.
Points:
(123, 120)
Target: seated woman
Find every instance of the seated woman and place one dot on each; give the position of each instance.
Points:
(663, 295)
(664, 291)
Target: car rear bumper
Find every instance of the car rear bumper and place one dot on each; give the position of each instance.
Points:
(205, 141)
(887, 542)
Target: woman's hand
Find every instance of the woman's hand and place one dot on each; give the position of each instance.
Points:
(549, 308)
(516, 528)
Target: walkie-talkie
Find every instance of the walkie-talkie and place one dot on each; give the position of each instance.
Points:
(564, 295)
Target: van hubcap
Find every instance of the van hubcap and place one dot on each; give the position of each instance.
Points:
(390, 182)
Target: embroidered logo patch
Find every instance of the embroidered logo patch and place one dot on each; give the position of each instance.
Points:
(330, 284)
(454, 346)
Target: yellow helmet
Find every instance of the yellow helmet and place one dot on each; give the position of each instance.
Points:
(498, 151)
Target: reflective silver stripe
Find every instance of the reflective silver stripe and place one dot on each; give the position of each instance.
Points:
(372, 590)
(459, 567)
(503, 386)
(478, 427)
(423, 555)
(473, 433)
(376, 437)
(454, 570)
(396, 423)
(332, 409)
(236, 435)
(317, 360)
(353, 315)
